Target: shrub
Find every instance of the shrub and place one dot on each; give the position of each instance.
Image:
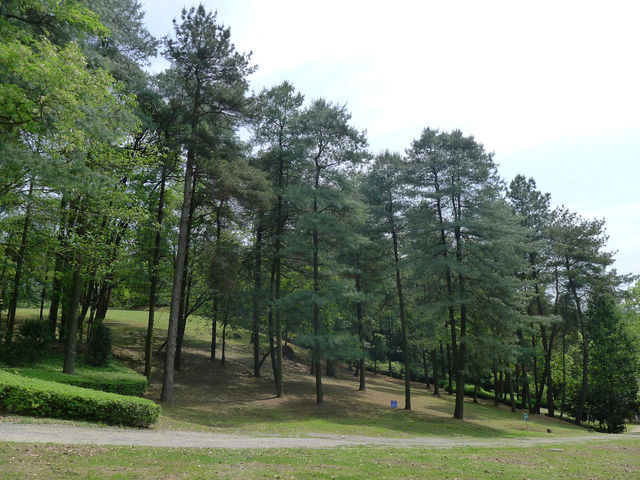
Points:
(29, 396)
(131, 385)
(112, 377)
(29, 344)
(99, 346)
(36, 332)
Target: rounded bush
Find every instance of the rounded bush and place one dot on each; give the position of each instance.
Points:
(99, 346)
(28, 345)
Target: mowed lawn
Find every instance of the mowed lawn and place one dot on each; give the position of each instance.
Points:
(209, 397)
(619, 460)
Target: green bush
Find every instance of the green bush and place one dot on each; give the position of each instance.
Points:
(397, 369)
(112, 377)
(28, 345)
(29, 396)
(99, 346)
(36, 332)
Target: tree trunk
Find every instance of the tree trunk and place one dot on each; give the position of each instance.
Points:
(13, 304)
(459, 350)
(436, 379)
(403, 320)
(104, 299)
(3, 293)
(278, 326)
(72, 324)
(359, 317)
(153, 280)
(536, 407)
(172, 331)
(389, 345)
(526, 395)
(107, 284)
(330, 369)
(564, 370)
(550, 405)
(449, 371)
(225, 322)
(257, 287)
(90, 323)
(271, 326)
(512, 398)
(186, 284)
(56, 279)
(86, 303)
(585, 353)
(184, 314)
(42, 295)
(316, 293)
(214, 327)
(426, 369)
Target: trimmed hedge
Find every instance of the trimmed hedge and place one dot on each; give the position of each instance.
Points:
(30, 396)
(112, 378)
(122, 385)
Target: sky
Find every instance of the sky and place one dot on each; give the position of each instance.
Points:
(551, 87)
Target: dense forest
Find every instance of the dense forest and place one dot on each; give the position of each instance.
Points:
(266, 211)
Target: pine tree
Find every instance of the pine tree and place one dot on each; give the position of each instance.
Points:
(456, 186)
(332, 143)
(209, 76)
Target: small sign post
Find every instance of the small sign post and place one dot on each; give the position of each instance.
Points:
(526, 420)
(394, 404)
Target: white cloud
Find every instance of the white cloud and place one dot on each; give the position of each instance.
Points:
(518, 75)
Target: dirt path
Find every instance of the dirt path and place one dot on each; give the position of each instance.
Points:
(64, 434)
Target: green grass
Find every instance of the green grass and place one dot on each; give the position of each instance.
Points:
(620, 459)
(112, 377)
(208, 397)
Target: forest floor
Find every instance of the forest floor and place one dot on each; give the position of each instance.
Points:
(211, 398)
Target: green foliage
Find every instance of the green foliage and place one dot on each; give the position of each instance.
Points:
(29, 344)
(469, 390)
(397, 368)
(613, 384)
(112, 377)
(99, 346)
(332, 347)
(29, 396)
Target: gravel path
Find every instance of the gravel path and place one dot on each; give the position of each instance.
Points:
(64, 434)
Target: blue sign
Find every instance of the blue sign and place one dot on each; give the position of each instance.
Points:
(394, 404)
(526, 417)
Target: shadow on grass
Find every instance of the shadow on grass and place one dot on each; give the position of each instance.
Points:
(208, 396)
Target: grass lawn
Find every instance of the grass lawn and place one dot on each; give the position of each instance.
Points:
(209, 397)
(619, 460)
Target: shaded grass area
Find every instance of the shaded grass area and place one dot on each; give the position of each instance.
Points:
(619, 460)
(209, 397)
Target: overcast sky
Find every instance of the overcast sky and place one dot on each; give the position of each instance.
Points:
(553, 88)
